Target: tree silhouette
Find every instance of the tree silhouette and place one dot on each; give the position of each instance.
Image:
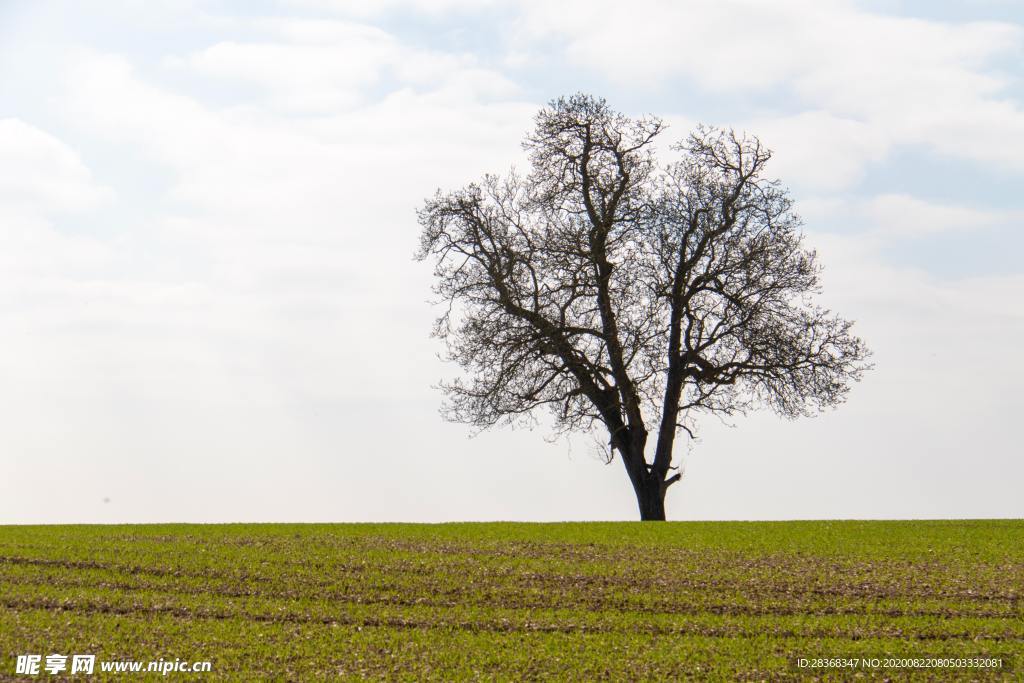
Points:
(624, 294)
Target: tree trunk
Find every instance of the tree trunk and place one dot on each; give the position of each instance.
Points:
(650, 496)
(649, 488)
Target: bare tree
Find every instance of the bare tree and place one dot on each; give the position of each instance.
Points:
(622, 294)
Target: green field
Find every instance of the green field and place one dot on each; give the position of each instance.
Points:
(586, 601)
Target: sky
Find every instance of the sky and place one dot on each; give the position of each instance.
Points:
(209, 309)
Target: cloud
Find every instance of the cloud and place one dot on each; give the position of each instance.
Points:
(819, 151)
(373, 8)
(44, 188)
(879, 220)
(304, 78)
(41, 173)
(885, 80)
(325, 66)
(906, 216)
(264, 175)
(719, 44)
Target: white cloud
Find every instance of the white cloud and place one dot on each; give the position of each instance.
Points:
(373, 8)
(40, 172)
(878, 220)
(320, 178)
(886, 80)
(44, 187)
(315, 77)
(324, 66)
(722, 45)
(820, 151)
(103, 93)
(903, 215)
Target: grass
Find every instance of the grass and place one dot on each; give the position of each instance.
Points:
(587, 601)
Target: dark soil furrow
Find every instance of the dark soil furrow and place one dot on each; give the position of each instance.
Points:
(589, 603)
(500, 625)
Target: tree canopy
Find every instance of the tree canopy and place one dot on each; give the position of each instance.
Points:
(621, 293)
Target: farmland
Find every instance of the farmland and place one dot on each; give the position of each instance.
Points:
(509, 601)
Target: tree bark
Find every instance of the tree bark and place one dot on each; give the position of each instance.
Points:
(650, 496)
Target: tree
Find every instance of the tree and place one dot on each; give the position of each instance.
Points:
(621, 294)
